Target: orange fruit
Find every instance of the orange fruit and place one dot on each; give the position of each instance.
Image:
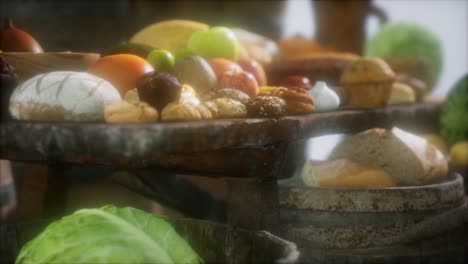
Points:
(121, 70)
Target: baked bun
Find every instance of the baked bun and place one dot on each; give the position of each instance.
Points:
(231, 93)
(62, 96)
(368, 83)
(297, 102)
(401, 94)
(179, 111)
(266, 106)
(230, 108)
(213, 108)
(126, 112)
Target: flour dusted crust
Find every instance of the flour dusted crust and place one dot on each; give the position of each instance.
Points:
(62, 96)
(407, 157)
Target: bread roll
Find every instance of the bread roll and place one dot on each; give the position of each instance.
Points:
(408, 158)
(126, 112)
(345, 173)
(179, 111)
(62, 96)
(401, 94)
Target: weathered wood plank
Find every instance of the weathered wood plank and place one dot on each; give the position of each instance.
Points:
(147, 145)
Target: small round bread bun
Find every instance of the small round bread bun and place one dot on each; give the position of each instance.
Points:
(205, 113)
(266, 106)
(230, 108)
(126, 112)
(179, 111)
(229, 93)
(401, 94)
(132, 96)
(213, 108)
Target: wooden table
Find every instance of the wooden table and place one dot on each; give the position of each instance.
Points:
(251, 154)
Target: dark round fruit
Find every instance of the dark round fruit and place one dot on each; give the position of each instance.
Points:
(8, 82)
(158, 89)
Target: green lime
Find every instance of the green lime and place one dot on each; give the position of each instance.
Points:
(162, 60)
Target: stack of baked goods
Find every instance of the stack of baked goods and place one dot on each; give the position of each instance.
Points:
(361, 82)
(378, 158)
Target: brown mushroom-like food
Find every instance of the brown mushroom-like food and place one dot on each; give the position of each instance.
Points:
(158, 89)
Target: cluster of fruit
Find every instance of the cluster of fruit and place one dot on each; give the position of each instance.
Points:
(194, 70)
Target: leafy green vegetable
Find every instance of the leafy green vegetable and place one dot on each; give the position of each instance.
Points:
(108, 235)
(407, 40)
(454, 116)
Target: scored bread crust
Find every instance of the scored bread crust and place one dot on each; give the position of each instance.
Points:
(61, 96)
(408, 158)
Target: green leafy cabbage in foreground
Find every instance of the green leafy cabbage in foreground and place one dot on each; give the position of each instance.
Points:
(108, 235)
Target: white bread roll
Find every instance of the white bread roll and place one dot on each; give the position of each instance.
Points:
(62, 96)
(408, 158)
(345, 173)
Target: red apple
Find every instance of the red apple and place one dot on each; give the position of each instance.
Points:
(243, 81)
(255, 68)
(296, 82)
(221, 65)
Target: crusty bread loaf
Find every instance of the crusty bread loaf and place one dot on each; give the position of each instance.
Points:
(408, 158)
(345, 173)
(61, 96)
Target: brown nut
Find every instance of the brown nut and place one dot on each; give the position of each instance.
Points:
(266, 106)
(126, 112)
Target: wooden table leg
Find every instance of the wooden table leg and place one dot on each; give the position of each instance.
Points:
(253, 204)
(31, 186)
(55, 192)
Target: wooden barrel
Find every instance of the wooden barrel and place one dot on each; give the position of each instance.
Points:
(332, 218)
(215, 243)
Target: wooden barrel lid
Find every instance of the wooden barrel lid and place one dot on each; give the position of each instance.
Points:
(448, 193)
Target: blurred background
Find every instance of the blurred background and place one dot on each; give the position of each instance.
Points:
(93, 26)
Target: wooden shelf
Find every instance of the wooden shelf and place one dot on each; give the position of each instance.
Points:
(233, 147)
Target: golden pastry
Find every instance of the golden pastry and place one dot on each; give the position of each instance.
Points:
(368, 83)
(230, 108)
(125, 112)
(297, 102)
(177, 111)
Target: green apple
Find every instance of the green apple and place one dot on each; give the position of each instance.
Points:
(161, 59)
(182, 53)
(218, 42)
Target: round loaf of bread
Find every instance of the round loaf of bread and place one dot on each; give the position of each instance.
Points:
(62, 96)
(407, 157)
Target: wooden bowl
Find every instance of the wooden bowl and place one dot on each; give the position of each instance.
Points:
(28, 64)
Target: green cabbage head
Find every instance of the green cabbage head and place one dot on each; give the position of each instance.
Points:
(108, 235)
(407, 40)
(454, 116)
